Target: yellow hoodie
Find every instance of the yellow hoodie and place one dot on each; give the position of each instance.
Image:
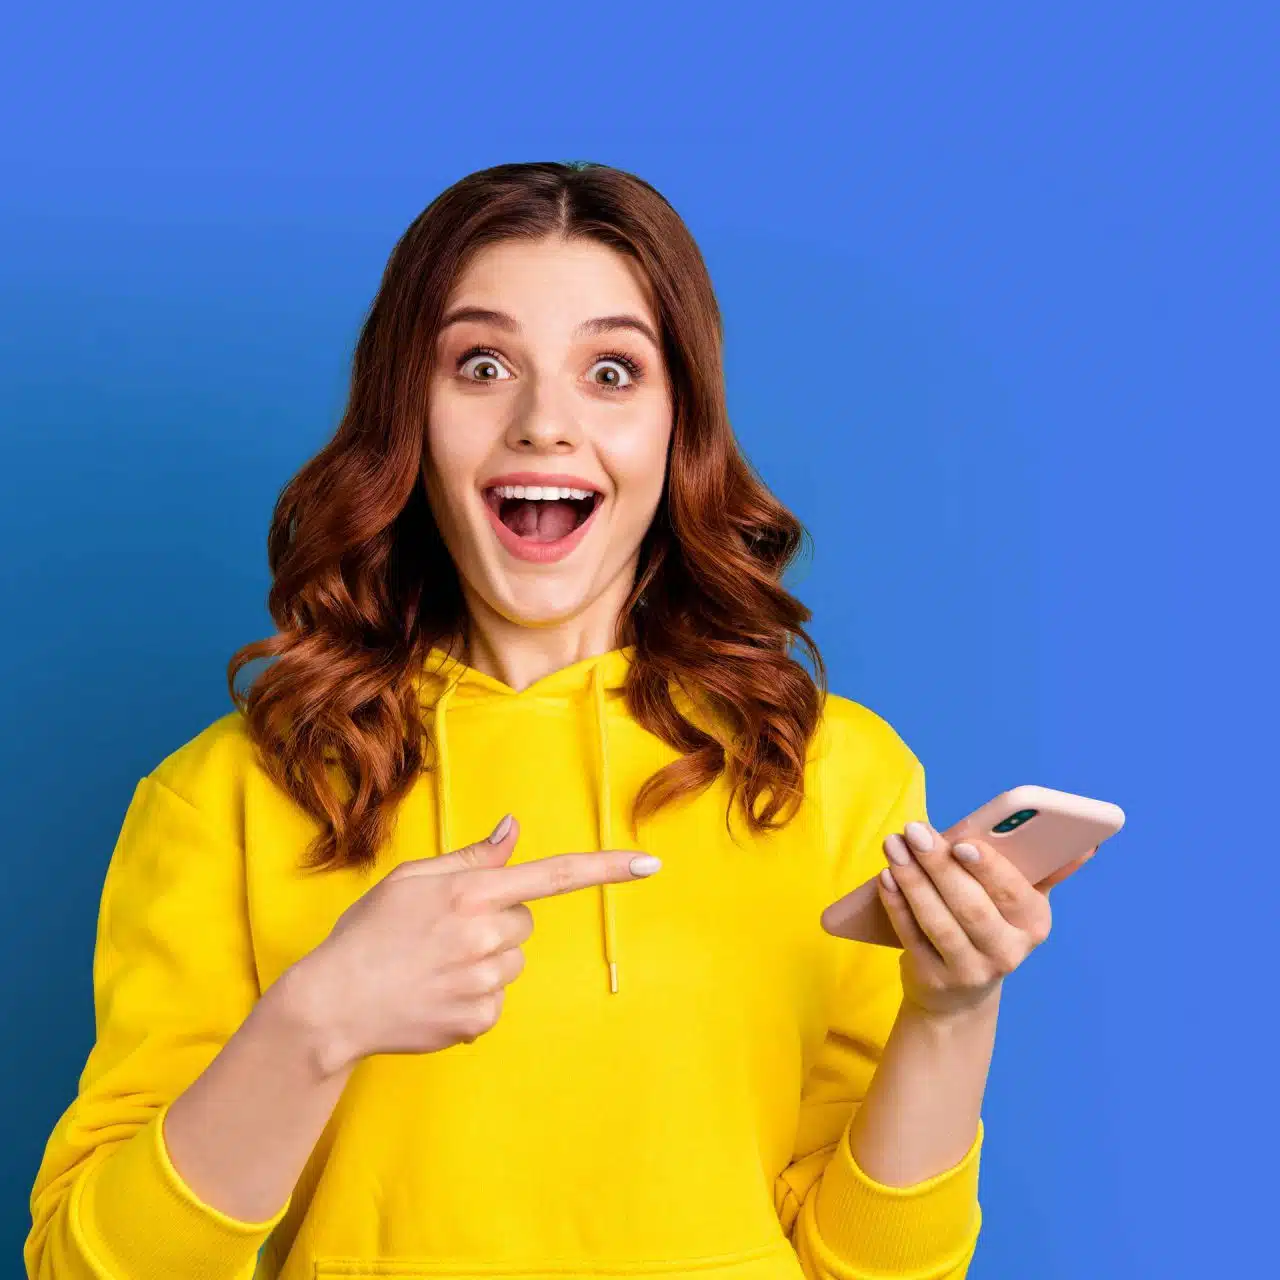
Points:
(667, 1091)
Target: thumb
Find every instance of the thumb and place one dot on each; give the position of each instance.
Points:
(493, 851)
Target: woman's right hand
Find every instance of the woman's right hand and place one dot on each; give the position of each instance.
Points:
(421, 961)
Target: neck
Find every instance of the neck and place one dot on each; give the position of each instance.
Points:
(519, 655)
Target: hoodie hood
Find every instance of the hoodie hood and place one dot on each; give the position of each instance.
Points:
(445, 683)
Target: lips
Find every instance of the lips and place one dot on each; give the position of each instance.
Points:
(541, 518)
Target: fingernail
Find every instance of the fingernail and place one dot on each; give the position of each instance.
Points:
(965, 852)
(896, 850)
(499, 833)
(920, 837)
(886, 879)
(645, 865)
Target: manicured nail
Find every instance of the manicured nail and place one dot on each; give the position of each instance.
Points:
(645, 865)
(919, 836)
(896, 850)
(499, 833)
(965, 852)
(886, 879)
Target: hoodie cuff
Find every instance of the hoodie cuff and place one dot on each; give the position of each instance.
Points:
(136, 1216)
(859, 1225)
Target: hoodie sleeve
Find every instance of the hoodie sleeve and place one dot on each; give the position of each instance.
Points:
(844, 1224)
(173, 978)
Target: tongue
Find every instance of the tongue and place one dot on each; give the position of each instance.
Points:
(542, 521)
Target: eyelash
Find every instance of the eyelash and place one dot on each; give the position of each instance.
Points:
(627, 362)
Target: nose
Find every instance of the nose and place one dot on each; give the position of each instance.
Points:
(545, 426)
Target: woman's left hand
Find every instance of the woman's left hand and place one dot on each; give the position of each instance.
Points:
(963, 924)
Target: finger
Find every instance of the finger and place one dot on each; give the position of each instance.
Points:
(905, 925)
(492, 851)
(488, 975)
(1062, 873)
(962, 894)
(496, 887)
(493, 932)
(932, 914)
(1014, 896)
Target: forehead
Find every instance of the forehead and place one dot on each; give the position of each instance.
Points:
(553, 282)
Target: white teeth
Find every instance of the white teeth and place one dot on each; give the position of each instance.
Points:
(542, 493)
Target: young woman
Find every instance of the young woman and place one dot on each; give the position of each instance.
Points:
(532, 644)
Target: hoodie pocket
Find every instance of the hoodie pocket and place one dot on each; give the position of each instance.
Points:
(770, 1262)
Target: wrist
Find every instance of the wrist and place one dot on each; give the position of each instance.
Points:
(300, 1003)
(954, 1013)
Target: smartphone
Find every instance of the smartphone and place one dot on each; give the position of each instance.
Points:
(1037, 828)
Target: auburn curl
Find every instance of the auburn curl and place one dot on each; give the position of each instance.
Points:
(362, 585)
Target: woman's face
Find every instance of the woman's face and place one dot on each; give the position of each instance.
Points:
(559, 388)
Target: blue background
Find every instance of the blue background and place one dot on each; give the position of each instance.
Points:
(1000, 293)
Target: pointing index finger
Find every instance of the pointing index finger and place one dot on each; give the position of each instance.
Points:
(506, 886)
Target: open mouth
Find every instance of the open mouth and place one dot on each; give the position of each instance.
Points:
(541, 514)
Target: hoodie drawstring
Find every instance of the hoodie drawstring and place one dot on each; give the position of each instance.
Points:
(604, 804)
(442, 769)
(604, 824)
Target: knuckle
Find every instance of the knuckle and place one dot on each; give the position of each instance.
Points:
(934, 980)
(978, 975)
(971, 915)
(464, 900)
(562, 874)
(483, 936)
(486, 976)
(1006, 897)
(467, 857)
(480, 1016)
(950, 935)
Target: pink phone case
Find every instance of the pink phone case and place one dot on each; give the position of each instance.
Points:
(1064, 827)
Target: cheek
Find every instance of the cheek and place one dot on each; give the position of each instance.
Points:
(638, 464)
(454, 453)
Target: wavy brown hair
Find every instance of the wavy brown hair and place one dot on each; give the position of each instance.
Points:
(362, 585)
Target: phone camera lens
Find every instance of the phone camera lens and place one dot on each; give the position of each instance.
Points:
(1015, 820)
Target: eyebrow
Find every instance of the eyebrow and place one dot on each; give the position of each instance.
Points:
(587, 329)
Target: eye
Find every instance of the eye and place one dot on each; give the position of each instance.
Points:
(486, 358)
(488, 363)
(629, 366)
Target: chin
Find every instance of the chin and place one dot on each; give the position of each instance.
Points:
(541, 607)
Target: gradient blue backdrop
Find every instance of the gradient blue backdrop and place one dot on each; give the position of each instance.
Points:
(1000, 292)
